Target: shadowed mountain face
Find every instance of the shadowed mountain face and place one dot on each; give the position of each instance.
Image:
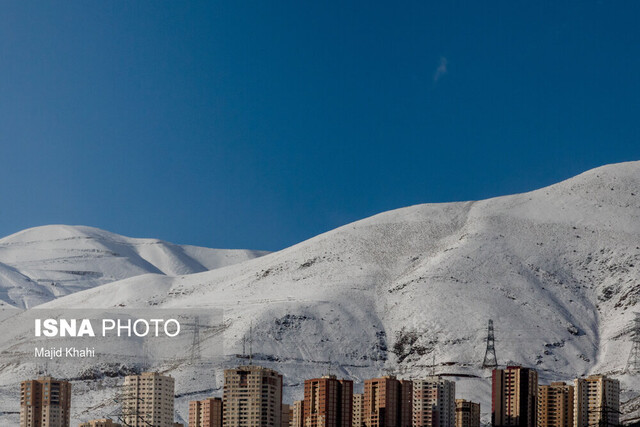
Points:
(557, 270)
(43, 263)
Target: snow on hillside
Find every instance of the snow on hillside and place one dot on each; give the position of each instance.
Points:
(557, 270)
(43, 263)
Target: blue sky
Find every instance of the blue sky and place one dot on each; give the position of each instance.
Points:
(258, 125)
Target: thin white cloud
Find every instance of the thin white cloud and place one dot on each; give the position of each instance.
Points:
(441, 70)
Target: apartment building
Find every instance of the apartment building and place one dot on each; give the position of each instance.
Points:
(555, 405)
(45, 402)
(514, 397)
(467, 413)
(252, 397)
(205, 413)
(434, 402)
(596, 401)
(387, 402)
(148, 399)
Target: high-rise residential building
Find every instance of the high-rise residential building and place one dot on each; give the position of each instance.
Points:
(328, 401)
(596, 401)
(467, 413)
(252, 397)
(286, 415)
(358, 405)
(205, 413)
(514, 396)
(45, 402)
(387, 402)
(434, 402)
(103, 422)
(297, 418)
(148, 399)
(555, 405)
(290, 419)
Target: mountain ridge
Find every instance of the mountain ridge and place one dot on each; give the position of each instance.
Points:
(556, 269)
(43, 263)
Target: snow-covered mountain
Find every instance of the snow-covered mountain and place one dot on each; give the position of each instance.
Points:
(557, 270)
(43, 263)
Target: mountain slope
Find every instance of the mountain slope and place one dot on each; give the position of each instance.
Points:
(43, 263)
(556, 269)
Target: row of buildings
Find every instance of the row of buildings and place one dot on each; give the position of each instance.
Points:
(252, 397)
(518, 400)
(146, 399)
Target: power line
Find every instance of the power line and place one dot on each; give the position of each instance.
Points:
(604, 420)
(195, 344)
(490, 359)
(633, 362)
(129, 410)
(251, 344)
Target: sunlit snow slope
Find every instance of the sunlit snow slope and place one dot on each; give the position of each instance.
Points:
(557, 269)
